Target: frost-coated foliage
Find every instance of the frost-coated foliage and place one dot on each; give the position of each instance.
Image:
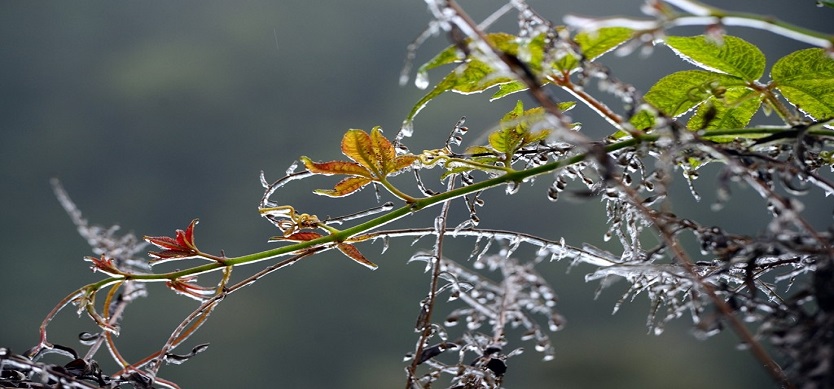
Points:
(774, 290)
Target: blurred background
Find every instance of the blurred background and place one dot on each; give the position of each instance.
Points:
(153, 113)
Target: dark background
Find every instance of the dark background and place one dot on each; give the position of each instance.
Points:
(153, 113)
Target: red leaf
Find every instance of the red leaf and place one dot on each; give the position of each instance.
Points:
(353, 253)
(303, 236)
(104, 265)
(182, 246)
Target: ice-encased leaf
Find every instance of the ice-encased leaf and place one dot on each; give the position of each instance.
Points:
(345, 187)
(806, 79)
(515, 129)
(374, 157)
(475, 75)
(733, 110)
(679, 92)
(507, 89)
(353, 253)
(335, 167)
(733, 56)
(594, 44)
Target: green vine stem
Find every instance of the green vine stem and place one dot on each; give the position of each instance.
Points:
(347, 234)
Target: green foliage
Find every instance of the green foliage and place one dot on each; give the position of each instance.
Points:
(728, 93)
(729, 55)
(806, 79)
(475, 74)
(593, 44)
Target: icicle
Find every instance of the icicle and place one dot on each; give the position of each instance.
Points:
(384, 244)
(264, 183)
(292, 167)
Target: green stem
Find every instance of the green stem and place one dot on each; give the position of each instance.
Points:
(419, 204)
(396, 192)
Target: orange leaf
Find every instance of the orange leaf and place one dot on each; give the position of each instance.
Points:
(353, 253)
(374, 158)
(335, 167)
(402, 162)
(382, 150)
(345, 187)
(356, 145)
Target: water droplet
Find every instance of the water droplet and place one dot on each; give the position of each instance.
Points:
(552, 194)
(542, 345)
(512, 187)
(421, 81)
(556, 323)
(406, 131)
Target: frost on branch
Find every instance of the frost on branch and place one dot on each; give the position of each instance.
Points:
(520, 301)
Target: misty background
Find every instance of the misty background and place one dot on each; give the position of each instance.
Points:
(154, 113)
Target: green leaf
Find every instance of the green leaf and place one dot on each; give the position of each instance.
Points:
(508, 89)
(806, 79)
(733, 109)
(594, 44)
(470, 77)
(531, 51)
(474, 75)
(733, 56)
(452, 54)
(678, 93)
(642, 120)
(515, 130)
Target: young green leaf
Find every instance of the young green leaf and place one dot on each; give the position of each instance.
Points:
(452, 54)
(594, 44)
(470, 77)
(733, 109)
(474, 75)
(678, 93)
(508, 89)
(598, 42)
(733, 56)
(806, 79)
(515, 131)
(642, 120)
